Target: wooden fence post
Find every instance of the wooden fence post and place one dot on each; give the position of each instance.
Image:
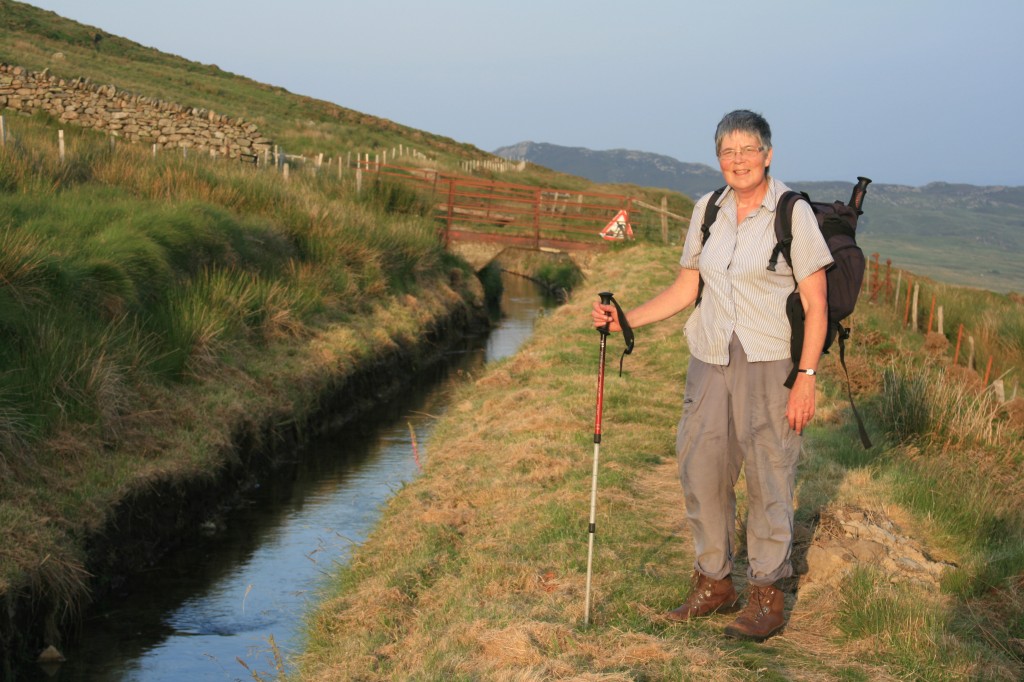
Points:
(876, 283)
(1000, 390)
(970, 352)
(359, 180)
(906, 310)
(664, 219)
(3, 131)
(536, 218)
(896, 296)
(284, 171)
(913, 313)
(60, 144)
(931, 315)
(451, 212)
(888, 276)
(941, 326)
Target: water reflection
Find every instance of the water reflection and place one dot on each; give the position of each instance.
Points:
(225, 596)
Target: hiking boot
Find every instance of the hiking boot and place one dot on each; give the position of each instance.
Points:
(707, 596)
(762, 617)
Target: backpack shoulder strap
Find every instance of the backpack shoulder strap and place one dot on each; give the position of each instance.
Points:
(710, 216)
(784, 226)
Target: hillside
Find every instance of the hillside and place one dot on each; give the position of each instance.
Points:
(960, 234)
(38, 39)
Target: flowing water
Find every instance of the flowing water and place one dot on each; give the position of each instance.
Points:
(203, 609)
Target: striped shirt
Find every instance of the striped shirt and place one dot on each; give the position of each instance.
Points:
(741, 295)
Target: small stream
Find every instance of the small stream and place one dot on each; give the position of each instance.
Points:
(255, 577)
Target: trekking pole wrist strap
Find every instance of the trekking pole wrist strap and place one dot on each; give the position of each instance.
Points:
(627, 331)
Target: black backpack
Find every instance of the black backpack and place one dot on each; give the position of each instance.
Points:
(838, 224)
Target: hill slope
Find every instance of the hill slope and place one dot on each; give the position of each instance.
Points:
(38, 39)
(960, 234)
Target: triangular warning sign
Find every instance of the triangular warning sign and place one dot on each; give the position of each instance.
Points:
(618, 229)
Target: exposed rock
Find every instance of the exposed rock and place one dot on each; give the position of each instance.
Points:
(847, 537)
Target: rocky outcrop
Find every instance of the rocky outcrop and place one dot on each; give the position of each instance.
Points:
(128, 116)
(847, 537)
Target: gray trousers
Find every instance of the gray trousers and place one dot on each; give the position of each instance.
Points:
(733, 416)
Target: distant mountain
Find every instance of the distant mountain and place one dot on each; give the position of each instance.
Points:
(619, 166)
(956, 233)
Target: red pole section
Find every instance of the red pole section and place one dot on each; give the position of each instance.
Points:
(959, 337)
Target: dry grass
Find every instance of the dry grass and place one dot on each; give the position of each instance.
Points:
(477, 570)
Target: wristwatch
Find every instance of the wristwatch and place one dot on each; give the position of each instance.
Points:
(808, 372)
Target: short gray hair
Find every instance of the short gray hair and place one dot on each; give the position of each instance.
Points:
(743, 121)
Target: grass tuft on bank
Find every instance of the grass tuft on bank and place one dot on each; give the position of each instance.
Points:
(153, 309)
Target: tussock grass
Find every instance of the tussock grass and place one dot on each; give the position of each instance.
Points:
(932, 403)
(152, 308)
(477, 568)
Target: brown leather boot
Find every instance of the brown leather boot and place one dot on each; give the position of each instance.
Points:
(706, 597)
(763, 616)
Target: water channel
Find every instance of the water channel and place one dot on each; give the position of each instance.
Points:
(204, 608)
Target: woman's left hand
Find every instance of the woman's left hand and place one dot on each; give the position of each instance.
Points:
(800, 408)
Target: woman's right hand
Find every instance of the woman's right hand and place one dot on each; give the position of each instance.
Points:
(605, 314)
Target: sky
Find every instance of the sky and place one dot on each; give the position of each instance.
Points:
(901, 91)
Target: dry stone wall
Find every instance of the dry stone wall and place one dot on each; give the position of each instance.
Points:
(128, 116)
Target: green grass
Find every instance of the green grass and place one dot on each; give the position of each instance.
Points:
(128, 284)
(522, 484)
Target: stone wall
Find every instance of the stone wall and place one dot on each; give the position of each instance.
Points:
(128, 116)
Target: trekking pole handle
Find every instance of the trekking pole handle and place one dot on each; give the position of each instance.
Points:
(857, 198)
(606, 299)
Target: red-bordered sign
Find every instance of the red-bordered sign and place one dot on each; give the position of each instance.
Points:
(618, 229)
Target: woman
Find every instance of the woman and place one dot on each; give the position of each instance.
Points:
(736, 410)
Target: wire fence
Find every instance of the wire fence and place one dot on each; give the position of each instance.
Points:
(991, 345)
(470, 207)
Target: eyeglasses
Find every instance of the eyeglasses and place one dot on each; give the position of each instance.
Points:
(734, 154)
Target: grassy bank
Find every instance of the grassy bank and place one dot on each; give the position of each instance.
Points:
(164, 319)
(477, 569)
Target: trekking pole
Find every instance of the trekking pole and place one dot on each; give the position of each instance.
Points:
(606, 299)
